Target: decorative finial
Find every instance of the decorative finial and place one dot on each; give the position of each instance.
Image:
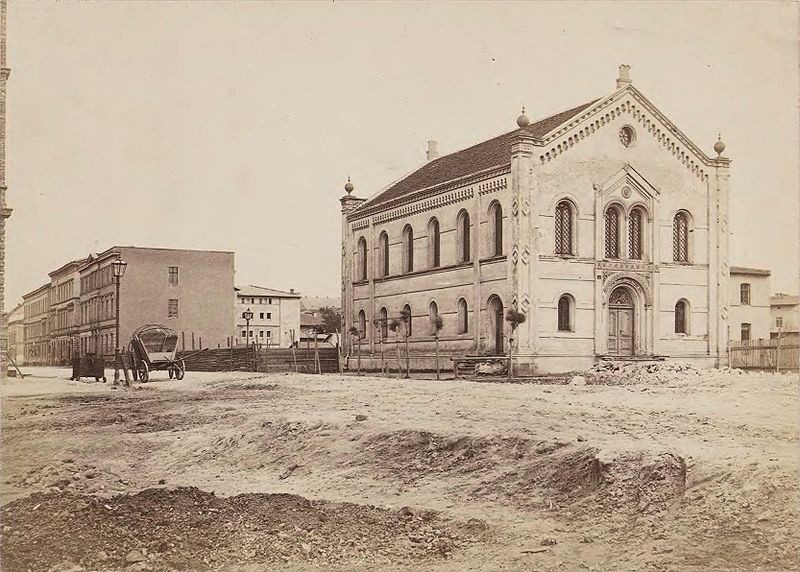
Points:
(719, 146)
(522, 120)
(349, 186)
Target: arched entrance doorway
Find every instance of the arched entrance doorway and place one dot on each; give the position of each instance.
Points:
(496, 323)
(621, 329)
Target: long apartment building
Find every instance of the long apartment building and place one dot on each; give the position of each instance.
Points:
(75, 313)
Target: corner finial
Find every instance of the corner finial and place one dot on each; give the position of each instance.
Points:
(624, 76)
(348, 187)
(522, 120)
(719, 146)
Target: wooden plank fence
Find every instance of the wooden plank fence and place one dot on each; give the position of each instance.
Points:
(271, 360)
(769, 355)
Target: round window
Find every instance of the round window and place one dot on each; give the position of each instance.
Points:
(627, 135)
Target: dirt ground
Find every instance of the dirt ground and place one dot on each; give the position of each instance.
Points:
(248, 472)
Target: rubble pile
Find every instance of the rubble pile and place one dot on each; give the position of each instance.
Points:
(654, 373)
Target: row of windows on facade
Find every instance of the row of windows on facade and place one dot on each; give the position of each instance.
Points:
(565, 232)
(253, 333)
(565, 235)
(255, 300)
(62, 292)
(35, 308)
(565, 318)
(463, 243)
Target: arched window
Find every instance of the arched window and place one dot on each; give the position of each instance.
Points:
(565, 313)
(362, 258)
(407, 313)
(433, 316)
(744, 294)
(680, 237)
(496, 229)
(383, 319)
(463, 317)
(383, 253)
(408, 249)
(434, 257)
(612, 232)
(362, 324)
(681, 317)
(563, 229)
(635, 234)
(463, 237)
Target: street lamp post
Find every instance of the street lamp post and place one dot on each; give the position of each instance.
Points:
(118, 267)
(247, 315)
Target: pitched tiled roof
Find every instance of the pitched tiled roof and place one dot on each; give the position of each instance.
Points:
(784, 300)
(492, 153)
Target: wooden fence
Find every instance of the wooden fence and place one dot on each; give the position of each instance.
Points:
(771, 355)
(251, 358)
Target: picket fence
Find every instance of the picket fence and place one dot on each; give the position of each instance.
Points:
(272, 360)
(769, 355)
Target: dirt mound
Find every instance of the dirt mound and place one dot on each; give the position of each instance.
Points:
(71, 477)
(189, 529)
(655, 373)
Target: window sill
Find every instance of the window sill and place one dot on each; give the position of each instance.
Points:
(493, 259)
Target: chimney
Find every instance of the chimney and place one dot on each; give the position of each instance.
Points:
(624, 76)
(291, 290)
(433, 150)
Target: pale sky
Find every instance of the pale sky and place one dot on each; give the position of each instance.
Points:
(234, 126)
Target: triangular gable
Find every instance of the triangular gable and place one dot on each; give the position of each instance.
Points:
(646, 119)
(628, 184)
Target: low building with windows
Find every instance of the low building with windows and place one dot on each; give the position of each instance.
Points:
(604, 224)
(750, 304)
(36, 307)
(784, 315)
(15, 320)
(276, 316)
(64, 313)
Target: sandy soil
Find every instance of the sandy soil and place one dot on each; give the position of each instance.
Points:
(239, 471)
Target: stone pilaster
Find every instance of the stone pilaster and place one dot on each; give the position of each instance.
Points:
(5, 212)
(349, 204)
(522, 252)
(719, 195)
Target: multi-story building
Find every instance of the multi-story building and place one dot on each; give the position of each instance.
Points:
(186, 290)
(749, 302)
(603, 224)
(64, 312)
(36, 306)
(276, 316)
(16, 334)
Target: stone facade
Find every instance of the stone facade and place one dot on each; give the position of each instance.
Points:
(36, 307)
(603, 224)
(276, 316)
(16, 334)
(785, 315)
(64, 314)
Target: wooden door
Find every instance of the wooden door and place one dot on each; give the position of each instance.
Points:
(620, 323)
(497, 324)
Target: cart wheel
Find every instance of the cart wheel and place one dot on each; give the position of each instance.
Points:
(181, 371)
(171, 372)
(144, 372)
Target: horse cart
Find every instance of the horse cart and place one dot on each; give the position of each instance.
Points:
(152, 348)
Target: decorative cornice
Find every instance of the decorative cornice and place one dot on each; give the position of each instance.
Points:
(427, 192)
(425, 205)
(627, 265)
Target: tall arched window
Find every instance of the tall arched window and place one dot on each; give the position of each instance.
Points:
(612, 232)
(680, 237)
(463, 237)
(681, 317)
(434, 257)
(362, 258)
(635, 238)
(362, 324)
(563, 229)
(408, 249)
(433, 316)
(463, 319)
(383, 319)
(565, 313)
(496, 229)
(408, 320)
(383, 251)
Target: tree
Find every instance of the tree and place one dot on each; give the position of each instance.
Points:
(514, 319)
(378, 329)
(437, 327)
(331, 319)
(394, 325)
(405, 317)
(355, 332)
